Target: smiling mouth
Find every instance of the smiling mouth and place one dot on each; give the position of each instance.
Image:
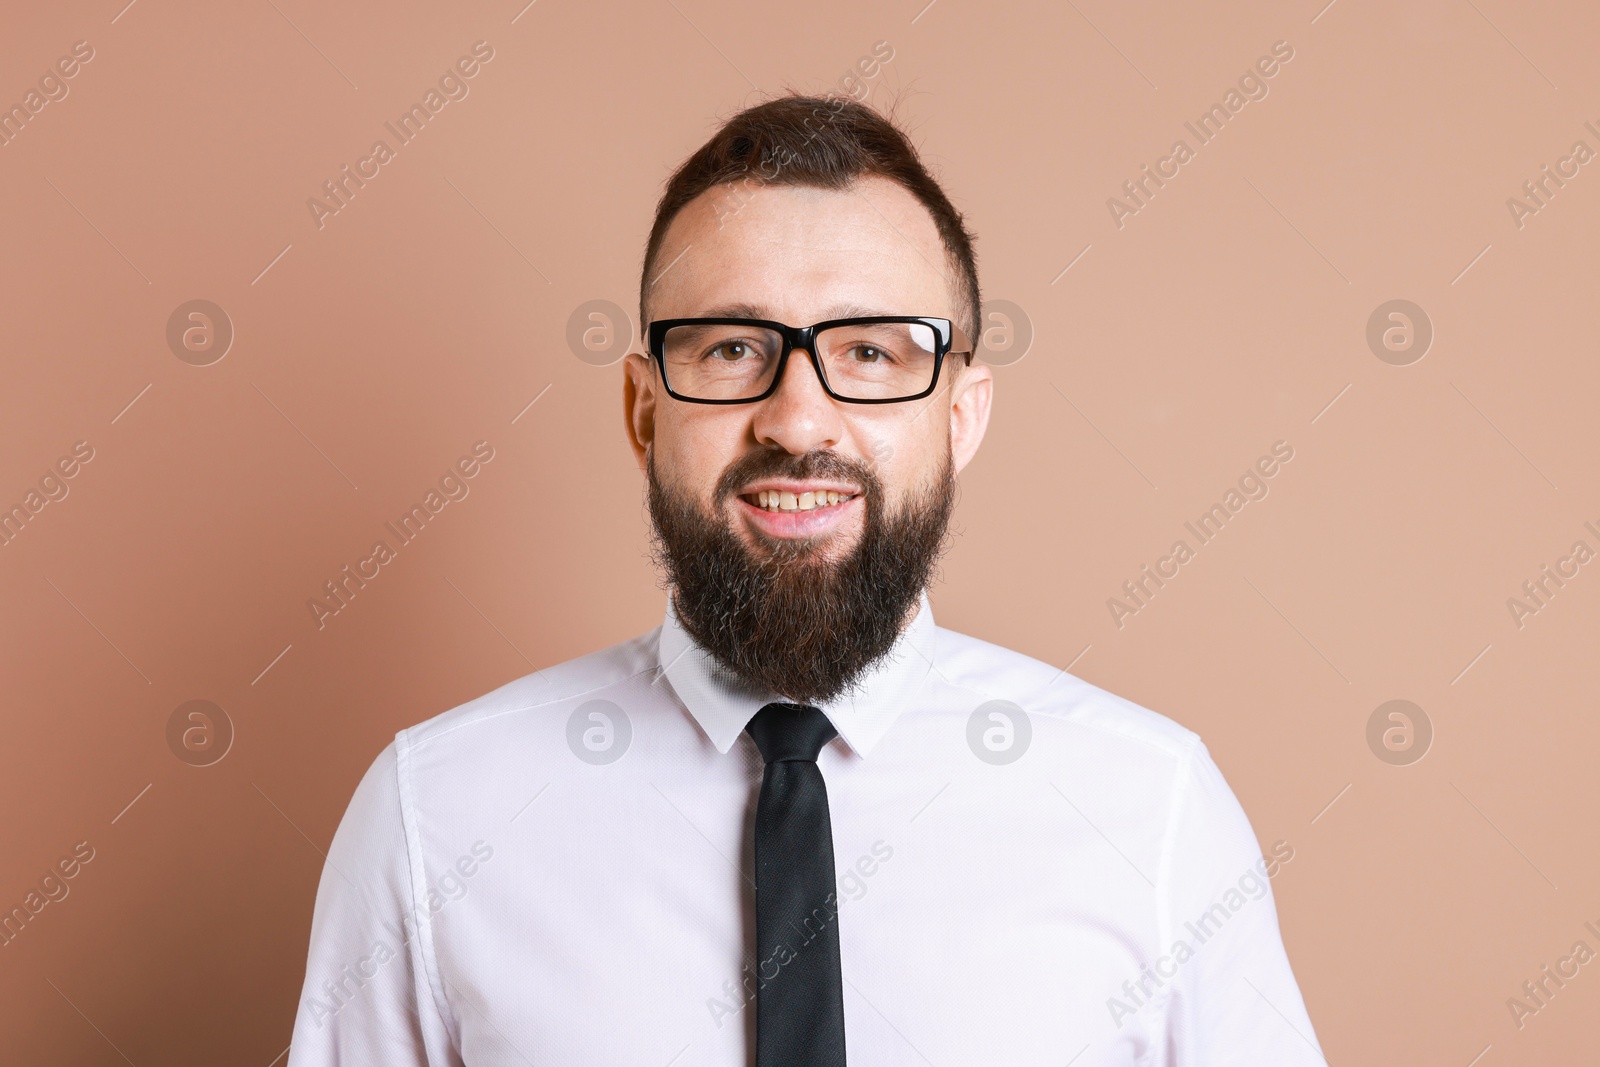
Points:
(783, 500)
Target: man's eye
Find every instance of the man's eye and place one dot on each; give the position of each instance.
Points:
(870, 354)
(730, 351)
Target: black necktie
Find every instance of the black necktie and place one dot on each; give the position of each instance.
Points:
(799, 989)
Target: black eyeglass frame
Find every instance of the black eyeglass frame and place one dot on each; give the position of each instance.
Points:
(948, 336)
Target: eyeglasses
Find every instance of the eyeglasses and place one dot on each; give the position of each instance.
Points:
(879, 359)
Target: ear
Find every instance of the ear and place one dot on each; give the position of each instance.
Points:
(639, 404)
(969, 411)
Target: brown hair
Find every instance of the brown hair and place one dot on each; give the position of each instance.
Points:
(823, 142)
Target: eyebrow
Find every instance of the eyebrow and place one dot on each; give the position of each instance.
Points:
(739, 310)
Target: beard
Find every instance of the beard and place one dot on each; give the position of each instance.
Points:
(796, 617)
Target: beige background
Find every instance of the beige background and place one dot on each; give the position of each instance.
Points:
(1227, 314)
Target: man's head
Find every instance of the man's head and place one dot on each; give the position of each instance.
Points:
(800, 210)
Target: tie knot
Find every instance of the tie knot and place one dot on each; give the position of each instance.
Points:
(790, 732)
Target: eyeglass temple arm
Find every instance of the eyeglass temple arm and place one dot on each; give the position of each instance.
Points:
(960, 343)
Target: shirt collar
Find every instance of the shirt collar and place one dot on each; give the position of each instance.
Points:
(723, 706)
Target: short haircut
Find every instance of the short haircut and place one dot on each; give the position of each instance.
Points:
(825, 143)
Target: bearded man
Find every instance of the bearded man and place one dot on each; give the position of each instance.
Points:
(798, 819)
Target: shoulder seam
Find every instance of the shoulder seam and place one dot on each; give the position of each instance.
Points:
(422, 918)
(474, 721)
(1178, 748)
(1184, 777)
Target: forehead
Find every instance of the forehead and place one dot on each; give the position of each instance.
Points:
(801, 254)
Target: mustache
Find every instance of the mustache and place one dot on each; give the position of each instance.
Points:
(775, 463)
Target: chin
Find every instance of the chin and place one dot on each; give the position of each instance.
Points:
(824, 548)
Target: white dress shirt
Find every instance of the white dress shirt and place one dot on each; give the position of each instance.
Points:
(1030, 871)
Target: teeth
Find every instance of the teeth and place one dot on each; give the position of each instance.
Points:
(783, 500)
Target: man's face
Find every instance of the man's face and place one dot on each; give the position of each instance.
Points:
(800, 255)
(803, 600)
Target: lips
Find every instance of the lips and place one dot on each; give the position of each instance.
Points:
(764, 510)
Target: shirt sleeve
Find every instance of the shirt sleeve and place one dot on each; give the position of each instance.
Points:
(367, 998)
(1233, 1000)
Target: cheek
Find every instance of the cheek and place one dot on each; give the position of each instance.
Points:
(906, 452)
(693, 450)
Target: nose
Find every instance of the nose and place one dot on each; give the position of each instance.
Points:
(800, 415)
